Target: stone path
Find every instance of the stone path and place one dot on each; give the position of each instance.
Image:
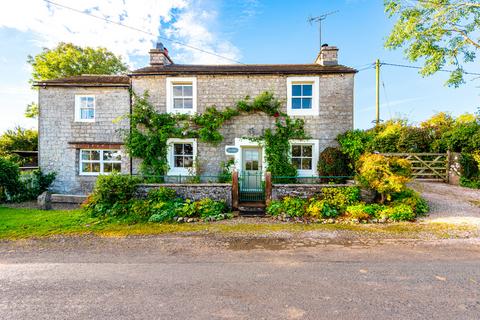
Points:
(450, 204)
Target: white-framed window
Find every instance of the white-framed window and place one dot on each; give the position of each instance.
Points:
(84, 108)
(181, 95)
(94, 162)
(181, 156)
(303, 96)
(304, 156)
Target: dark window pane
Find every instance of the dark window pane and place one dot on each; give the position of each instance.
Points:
(296, 151)
(178, 103)
(306, 164)
(306, 103)
(177, 91)
(85, 155)
(178, 162)
(296, 103)
(95, 167)
(187, 91)
(95, 155)
(254, 165)
(188, 162)
(117, 167)
(107, 167)
(307, 151)
(296, 162)
(86, 167)
(178, 148)
(307, 90)
(187, 103)
(296, 90)
(188, 149)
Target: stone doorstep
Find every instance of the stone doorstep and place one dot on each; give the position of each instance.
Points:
(68, 198)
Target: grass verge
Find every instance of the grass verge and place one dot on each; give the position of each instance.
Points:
(29, 223)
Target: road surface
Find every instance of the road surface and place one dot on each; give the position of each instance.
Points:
(239, 278)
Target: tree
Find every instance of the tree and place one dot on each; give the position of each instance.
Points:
(67, 59)
(32, 110)
(442, 32)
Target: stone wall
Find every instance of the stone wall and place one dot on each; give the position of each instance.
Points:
(58, 132)
(214, 191)
(221, 91)
(279, 191)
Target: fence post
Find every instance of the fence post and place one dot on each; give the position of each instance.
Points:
(449, 164)
(235, 190)
(268, 187)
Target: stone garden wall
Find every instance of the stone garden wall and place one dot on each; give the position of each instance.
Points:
(279, 191)
(214, 191)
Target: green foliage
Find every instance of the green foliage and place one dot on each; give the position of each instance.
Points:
(151, 130)
(399, 212)
(332, 162)
(414, 139)
(321, 209)
(462, 137)
(289, 206)
(226, 171)
(354, 143)
(31, 111)
(9, 179)
(388, 135)
(277, 145)
(412, 199)
(340, 198)
(470, 176)
(112, 195)
(386, 175)
(161, 194)
(67, 59)
(18, 139)
(438, 32)
(360, 212)
(32, 184)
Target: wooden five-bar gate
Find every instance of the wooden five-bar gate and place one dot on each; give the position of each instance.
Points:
(431, 166)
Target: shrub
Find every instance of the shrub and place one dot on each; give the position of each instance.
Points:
(208, 208)
(332, 162)
(412, 199)
(399, 212)
(321, 209)
(357, 212)
(290, 206)
(226, 173)
(354, 143)
(413, 139)
(386, 175)
(112, 195)
(340, 198)
(462, 137)
(388, 135)
(32, 184)
(9, 179)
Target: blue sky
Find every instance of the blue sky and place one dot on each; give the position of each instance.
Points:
(251, 31)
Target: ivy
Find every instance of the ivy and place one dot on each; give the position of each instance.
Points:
(150, 130)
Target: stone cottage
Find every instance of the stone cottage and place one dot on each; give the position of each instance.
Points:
(81, 118)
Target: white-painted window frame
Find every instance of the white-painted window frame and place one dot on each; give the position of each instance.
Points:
(78, 107)
(171, 81)
(315, 155)
(315, 110)
(176, 171)
(101, 161)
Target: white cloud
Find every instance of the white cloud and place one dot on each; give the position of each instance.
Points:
(185, 20)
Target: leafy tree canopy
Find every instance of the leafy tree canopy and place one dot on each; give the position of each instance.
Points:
(440, 32)
(32, 110)
(18, 139)
(67, 59)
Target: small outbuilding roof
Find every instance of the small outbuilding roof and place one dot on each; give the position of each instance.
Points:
(88, 80)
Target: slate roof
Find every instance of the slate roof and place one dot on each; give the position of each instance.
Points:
(92, 80)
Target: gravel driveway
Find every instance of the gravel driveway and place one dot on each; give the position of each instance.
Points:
(450, 204)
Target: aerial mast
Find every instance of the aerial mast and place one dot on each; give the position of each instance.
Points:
(320, 19)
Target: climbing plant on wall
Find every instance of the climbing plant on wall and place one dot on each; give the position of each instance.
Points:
(150, 130)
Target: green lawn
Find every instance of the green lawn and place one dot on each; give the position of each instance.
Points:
(26, 223)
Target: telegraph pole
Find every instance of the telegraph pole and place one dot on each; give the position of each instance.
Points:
(377, 91)
(319, 19)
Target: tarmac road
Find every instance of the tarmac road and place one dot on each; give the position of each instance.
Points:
(238, 278)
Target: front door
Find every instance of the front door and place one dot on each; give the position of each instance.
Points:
(251, 186)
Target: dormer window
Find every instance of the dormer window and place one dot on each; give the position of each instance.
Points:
(182, 95)
(84, 108)
(303, 96)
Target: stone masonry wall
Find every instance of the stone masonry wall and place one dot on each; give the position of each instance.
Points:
(214, 191)
(336, 107)
(57, 130)
(305, 191)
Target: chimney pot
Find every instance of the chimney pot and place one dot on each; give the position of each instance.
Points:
(159, 55)
(328, 56)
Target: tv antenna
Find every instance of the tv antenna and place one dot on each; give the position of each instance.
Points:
(319, 19)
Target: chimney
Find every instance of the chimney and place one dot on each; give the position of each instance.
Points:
(159, 55)
(328, 56)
